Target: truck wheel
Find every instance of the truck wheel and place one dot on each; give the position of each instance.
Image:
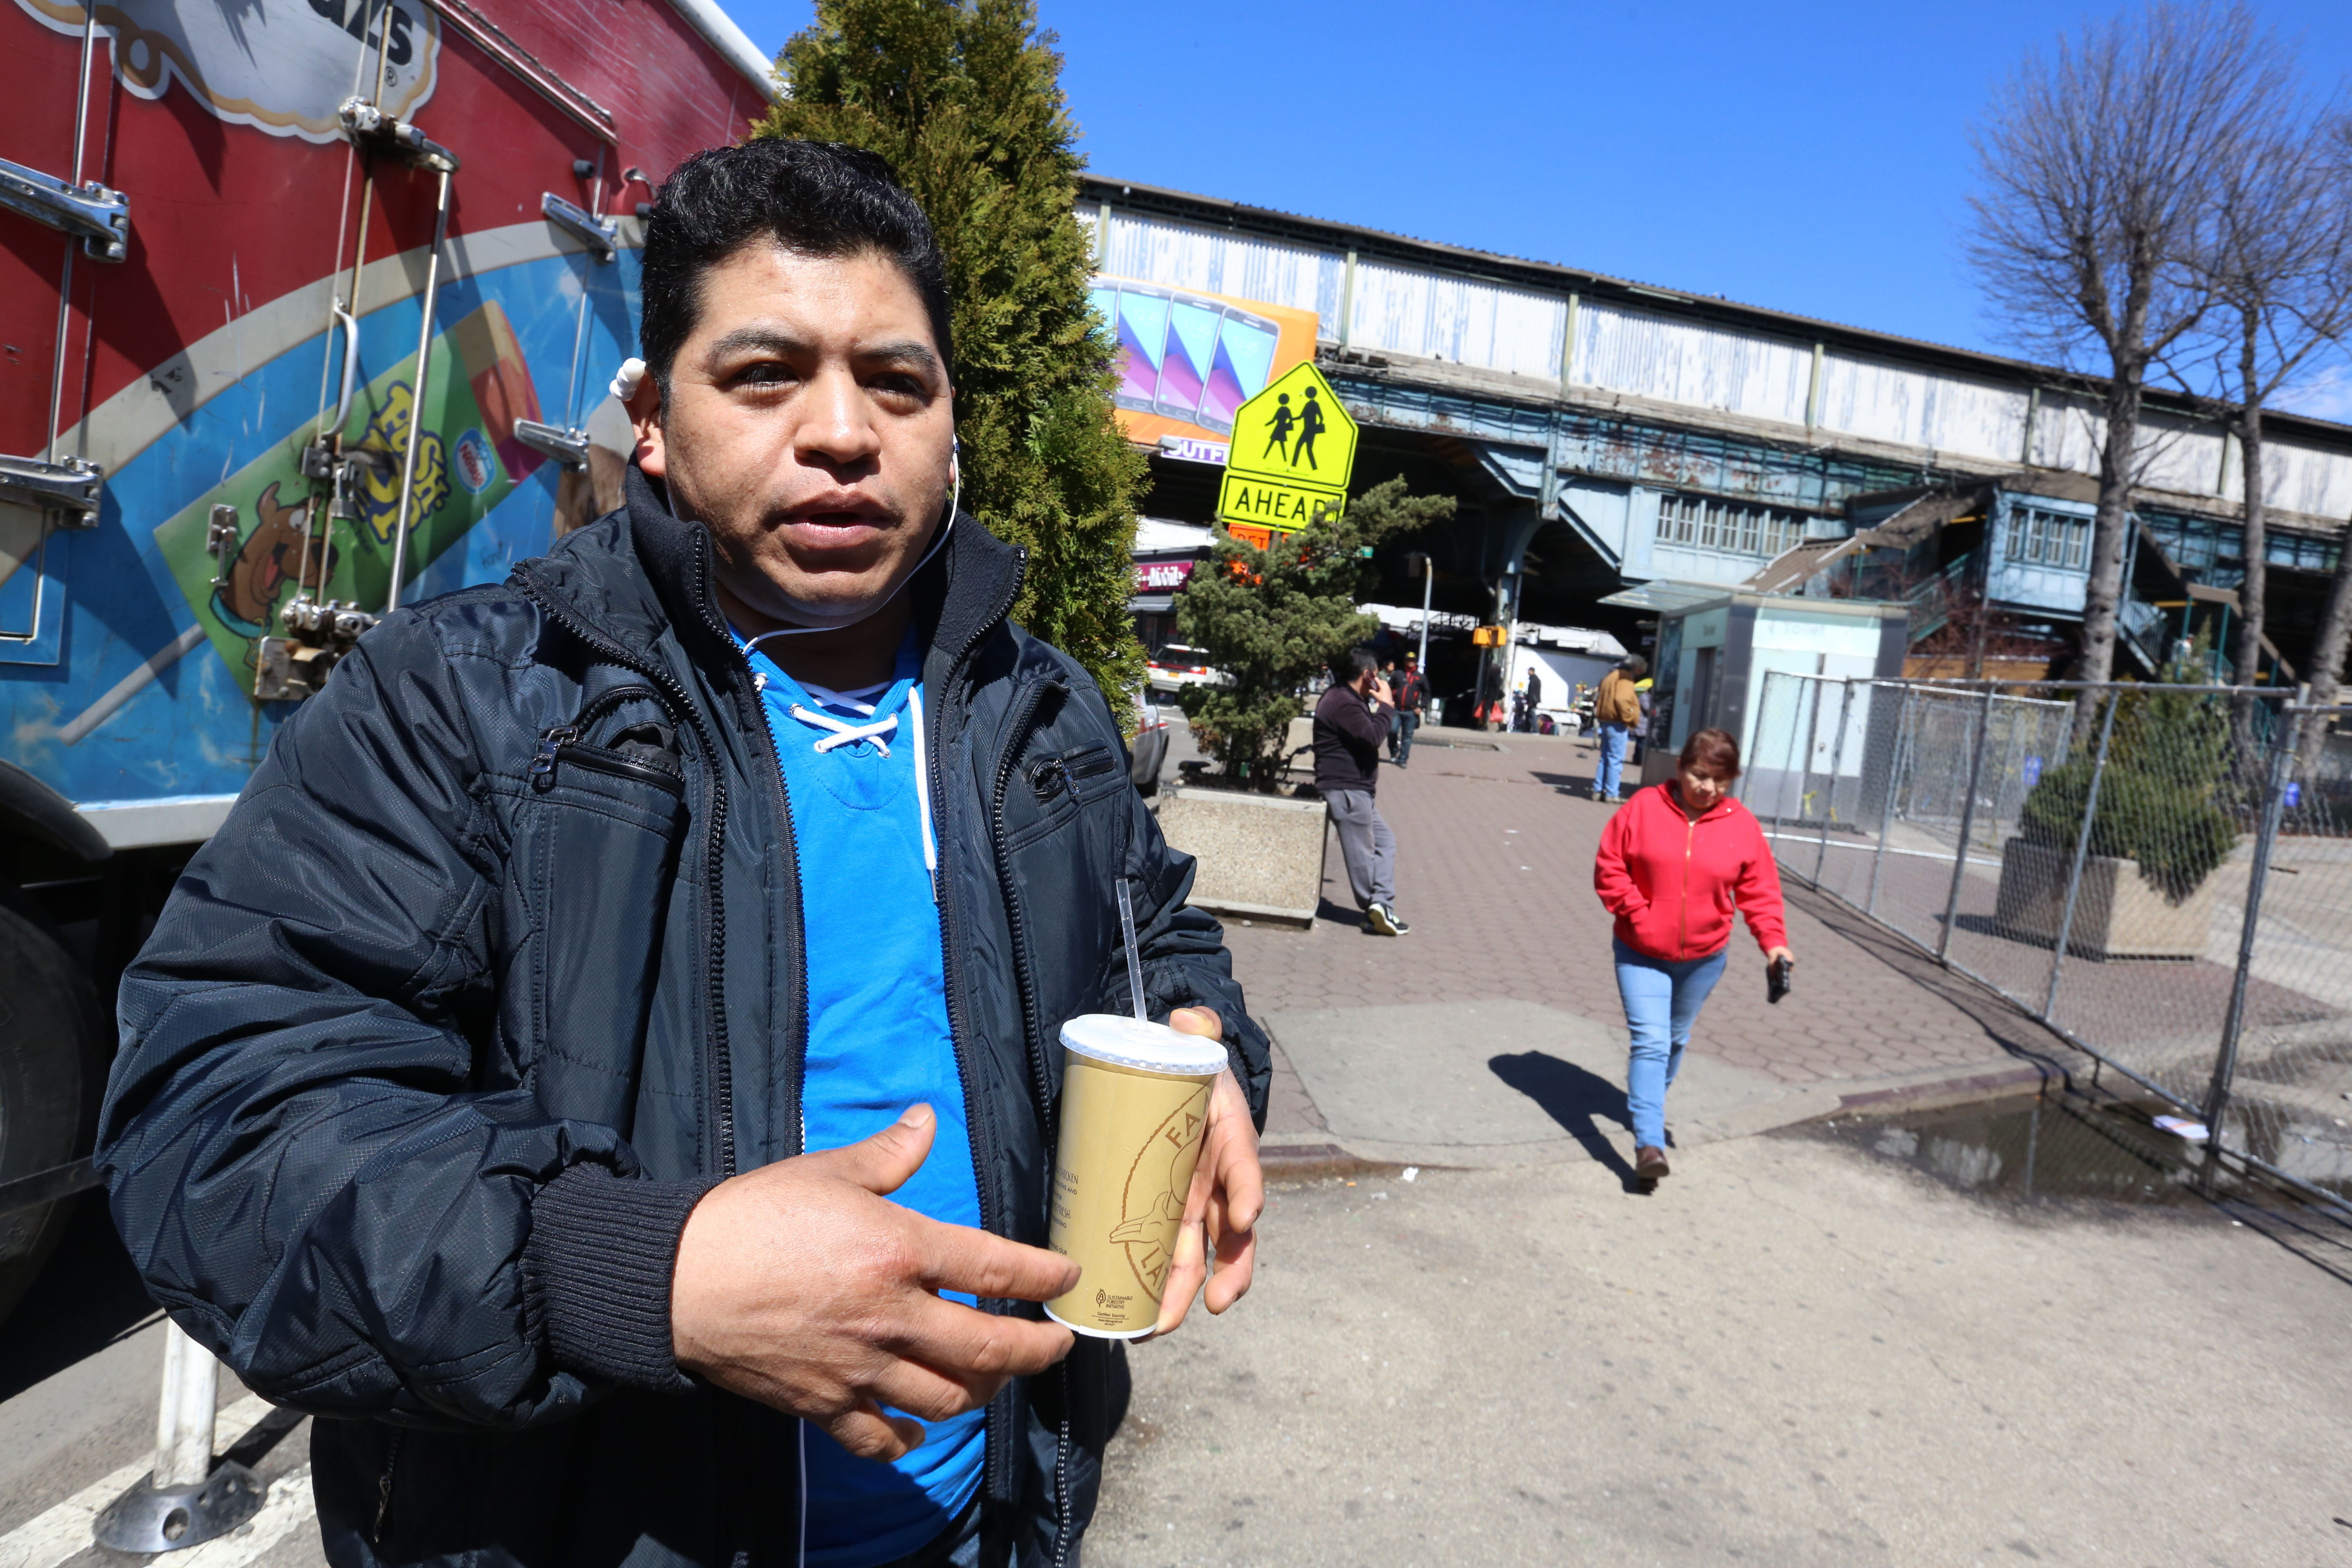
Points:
(52, 1071)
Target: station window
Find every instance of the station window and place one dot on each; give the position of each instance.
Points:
(2050, 539)
(1726, 527)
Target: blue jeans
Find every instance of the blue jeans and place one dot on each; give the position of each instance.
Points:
(1400, 737)
(1611, 768)
(1661, 999)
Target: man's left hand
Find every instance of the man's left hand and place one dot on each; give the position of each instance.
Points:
(1228, 1194)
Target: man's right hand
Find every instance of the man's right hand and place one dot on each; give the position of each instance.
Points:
(1380, 692)
(801, 1286)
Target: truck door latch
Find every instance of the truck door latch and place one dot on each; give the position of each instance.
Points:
(601, 235)
(100, 218)
(67, 493)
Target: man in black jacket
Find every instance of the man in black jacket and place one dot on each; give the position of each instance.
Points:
(518, 1080)
(1351, 720)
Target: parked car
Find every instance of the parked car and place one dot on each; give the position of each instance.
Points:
(1177, 665)
(1148, 747)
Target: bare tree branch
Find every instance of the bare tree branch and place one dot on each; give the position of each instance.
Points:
(2097, 204)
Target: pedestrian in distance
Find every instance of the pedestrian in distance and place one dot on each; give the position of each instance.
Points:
(1638, 737)
(1350, 721)
(604, 1066)
(1673, 867)
(1534, 697)
(1615, 710)
(1412, 702)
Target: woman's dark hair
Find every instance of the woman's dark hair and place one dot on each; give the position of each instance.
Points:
(1713, 752)
(818, 198)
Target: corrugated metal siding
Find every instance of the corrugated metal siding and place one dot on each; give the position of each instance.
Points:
(1183, 255)
(1887, 402)
(2067, 433)
(1651, 355)
(1409, 312)
(2302, 479)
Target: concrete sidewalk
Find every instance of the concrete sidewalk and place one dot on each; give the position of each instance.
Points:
(1794, 1352)
(1492, 1035)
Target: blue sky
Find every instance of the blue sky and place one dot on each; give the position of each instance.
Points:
(1808, 158)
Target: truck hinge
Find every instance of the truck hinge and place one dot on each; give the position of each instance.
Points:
(101, 217)
(601, 235)
(569, 447)
(374, 131)
(67, 493)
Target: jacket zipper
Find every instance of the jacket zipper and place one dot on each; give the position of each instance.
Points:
(384, 1486)
(996, 1438)
(1690, 843)
(1042, 1081)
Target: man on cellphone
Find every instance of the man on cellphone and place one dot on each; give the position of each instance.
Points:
(1351, 720)
(604, 1065)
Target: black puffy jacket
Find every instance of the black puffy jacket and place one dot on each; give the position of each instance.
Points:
(497, 966)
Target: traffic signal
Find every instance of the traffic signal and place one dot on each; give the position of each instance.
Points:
(1491, 637)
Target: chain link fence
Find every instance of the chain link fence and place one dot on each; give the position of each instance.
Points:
(2161, 874)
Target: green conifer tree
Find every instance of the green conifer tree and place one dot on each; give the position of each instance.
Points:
(1271, 619)
(964, 99)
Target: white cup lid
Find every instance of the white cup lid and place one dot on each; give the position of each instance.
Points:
(1128, 1042)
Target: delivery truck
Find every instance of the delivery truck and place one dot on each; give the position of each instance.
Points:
(308, 310)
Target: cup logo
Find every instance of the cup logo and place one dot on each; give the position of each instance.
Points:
(1157, 1184)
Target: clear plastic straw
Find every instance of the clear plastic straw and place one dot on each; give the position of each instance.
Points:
(1134, 960)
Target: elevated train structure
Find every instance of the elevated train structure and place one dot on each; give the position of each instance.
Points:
(1621, 447)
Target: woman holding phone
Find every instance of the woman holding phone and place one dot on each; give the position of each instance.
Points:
(1675, 863)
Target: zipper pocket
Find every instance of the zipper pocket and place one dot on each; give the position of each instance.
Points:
(384, 1486)
(560, 742)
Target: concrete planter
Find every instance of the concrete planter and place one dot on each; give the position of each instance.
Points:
(2116, 915)
(1261, 856)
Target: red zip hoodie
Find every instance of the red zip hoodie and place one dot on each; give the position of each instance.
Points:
(1672, 883)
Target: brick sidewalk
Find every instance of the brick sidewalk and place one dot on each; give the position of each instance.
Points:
(1494, 872)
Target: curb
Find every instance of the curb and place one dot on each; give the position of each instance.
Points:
(1943, 1094)
(1312, 1162)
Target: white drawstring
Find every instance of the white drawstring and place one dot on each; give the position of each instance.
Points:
(923, 790)
(843, 732)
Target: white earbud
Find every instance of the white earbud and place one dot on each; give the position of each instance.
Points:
(624, 383)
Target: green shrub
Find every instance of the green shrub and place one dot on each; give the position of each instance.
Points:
(2175, 830)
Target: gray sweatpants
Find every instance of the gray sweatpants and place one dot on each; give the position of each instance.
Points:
(1367, 846)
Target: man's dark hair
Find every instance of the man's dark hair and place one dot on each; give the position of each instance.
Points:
(1359, 662)
(1634, 665)
(818, 198)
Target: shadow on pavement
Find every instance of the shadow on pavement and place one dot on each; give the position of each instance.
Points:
(87, 1296)
(1576, 1099)
(1339, 914)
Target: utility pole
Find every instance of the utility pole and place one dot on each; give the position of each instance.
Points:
(1428, 583)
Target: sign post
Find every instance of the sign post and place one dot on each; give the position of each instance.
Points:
(1294, 446)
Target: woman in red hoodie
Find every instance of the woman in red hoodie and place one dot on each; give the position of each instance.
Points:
(1674, 863)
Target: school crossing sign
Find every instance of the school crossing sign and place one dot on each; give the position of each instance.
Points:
(1292, 448)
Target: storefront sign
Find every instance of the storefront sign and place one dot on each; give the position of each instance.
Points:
(1161, 576)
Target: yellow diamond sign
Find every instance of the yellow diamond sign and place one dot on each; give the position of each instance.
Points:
(1293, 447)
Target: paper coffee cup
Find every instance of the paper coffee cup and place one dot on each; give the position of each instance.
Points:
(1135, 1107)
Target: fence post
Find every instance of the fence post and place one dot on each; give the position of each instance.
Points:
(2082, 849)
(1787, 759)
(1837, 761)
(1967, 827)
(1896, 766)
(2225, 1060)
